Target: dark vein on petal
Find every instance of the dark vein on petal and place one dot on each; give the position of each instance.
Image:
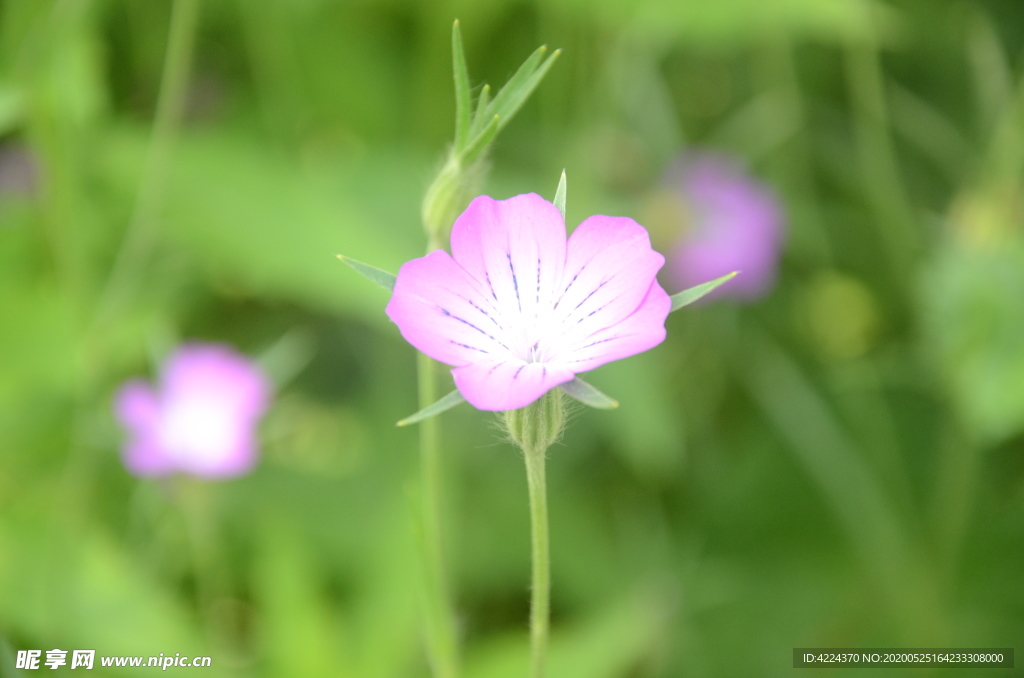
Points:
(515, 281)
(477, 307)
(596, 310)
(593, 292)
(623, 265)
(494, 294)
(569, 285)
(582, 268)
(571, 282)
(538, 282)
(459, 343)
(599, 341)
(449, 314)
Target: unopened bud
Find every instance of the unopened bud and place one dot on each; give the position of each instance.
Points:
(537, 426)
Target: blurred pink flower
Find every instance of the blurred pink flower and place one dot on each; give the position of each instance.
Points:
(199, 420)
(736, 224)
(517, 309)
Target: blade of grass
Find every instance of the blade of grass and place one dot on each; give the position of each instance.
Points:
(137, 243)
(819, 442)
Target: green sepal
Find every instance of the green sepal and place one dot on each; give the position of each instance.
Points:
(537, 426)
(514, 94)
(519, 87)
(588, 395)
(687, 297)
(560, 195)
(479, 145)
(444, 404)
(461, 75)
(371, 273)
(480, 116)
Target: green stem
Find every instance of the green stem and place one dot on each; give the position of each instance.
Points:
(957, 483)
(196, 500)
(76, 481)
(169, 108)
(782, 75)
(440, 617)
(439, 613)
(540, 596)
(882, 178)
(534, 429)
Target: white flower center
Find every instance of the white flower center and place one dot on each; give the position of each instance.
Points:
(197, 430)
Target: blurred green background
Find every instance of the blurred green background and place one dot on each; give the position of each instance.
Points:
(838, 465)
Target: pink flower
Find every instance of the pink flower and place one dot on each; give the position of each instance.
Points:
(517, 309)
(201, 419)
(736, 225)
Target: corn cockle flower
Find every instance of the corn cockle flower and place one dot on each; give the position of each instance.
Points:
(518, 309)
(199, 420)
(734, 224)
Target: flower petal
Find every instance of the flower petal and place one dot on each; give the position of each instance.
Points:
(508, 385)
(739, 227)
(700, 261)
(609, 269)
(516, 249)
(442, 311)
(215, 373)
(144, 458)
(233, 459)
(642, 330)
(135, 405)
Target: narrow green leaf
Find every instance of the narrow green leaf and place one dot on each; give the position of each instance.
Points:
(371, 273)
(446, 403)
(478, 146)
(480, 117)
(560, 195)
(461, 74)
(521, 91)
(285, 359)
(588, 395)
(691, 295)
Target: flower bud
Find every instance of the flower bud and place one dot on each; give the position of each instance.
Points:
(537, 426)
(444, 200)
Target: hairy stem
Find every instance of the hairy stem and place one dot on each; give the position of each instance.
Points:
(540, 590)
(534, 429)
